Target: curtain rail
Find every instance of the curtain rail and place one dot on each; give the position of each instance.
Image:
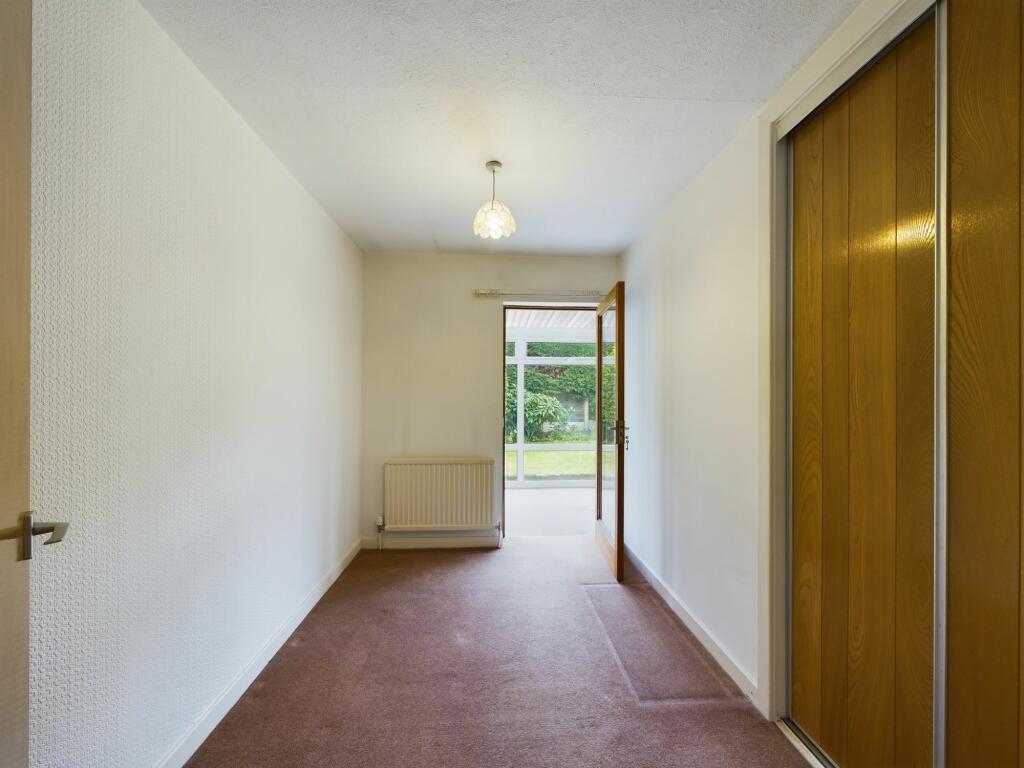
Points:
(488, 293)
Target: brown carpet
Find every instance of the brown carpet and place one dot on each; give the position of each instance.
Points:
(524, 657)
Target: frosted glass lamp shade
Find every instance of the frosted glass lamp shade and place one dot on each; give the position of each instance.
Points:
(493, 221)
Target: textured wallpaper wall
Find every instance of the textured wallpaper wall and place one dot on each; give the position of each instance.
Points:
(195, 390)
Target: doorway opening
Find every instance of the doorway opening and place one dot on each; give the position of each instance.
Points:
(551, 420)
(563, 422)
(564, 433)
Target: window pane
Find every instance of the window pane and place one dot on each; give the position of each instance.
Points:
(559, 403)
(609, 457)
(510, 465)
(559, 349)
(609, 427)
(510, 404)
(510, 348)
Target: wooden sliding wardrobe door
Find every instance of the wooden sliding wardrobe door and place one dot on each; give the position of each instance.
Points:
(984, 435)
(862, 430)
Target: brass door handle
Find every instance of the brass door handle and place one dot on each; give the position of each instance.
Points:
(30, 529)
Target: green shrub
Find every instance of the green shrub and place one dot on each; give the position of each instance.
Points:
(540, 410)
(510, 403)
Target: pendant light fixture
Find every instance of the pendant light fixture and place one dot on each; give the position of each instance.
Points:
(494, 220)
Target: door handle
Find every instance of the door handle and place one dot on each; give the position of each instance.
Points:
(30, 529)
(621, 433)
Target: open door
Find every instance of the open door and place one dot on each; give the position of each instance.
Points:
(611, 432)
(15, 224)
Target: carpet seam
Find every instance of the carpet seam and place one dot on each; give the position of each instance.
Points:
(611, 645)
(718, 675)
(727, 694)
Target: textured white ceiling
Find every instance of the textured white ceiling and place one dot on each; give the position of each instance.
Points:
(387, 109)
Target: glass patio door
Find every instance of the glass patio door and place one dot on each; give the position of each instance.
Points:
(611, 435)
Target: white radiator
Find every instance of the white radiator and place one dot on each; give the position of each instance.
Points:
(439, 494)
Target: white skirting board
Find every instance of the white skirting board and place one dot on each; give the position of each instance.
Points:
(733, 669)
(400, 541)
(190, 741)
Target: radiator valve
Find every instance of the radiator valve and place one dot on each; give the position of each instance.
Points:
(380, 524)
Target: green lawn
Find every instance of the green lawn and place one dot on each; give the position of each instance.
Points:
(549, 465)
(557, 465)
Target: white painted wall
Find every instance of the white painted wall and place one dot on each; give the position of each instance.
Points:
(432, 354)
(692, 400)
(195, 394)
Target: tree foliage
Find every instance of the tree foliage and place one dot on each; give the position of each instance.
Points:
(566, 348)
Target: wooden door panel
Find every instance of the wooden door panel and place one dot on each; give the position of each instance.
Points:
(915, 382)
(807, 449)
(872, 479)
(835, 426)
(984, 383)
(15, 225)
(611, 430)
(863, 232)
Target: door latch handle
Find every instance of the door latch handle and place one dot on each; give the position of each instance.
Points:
(30, 529)
(621, 433)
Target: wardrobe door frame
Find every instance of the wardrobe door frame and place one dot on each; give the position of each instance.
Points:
(875, 43)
